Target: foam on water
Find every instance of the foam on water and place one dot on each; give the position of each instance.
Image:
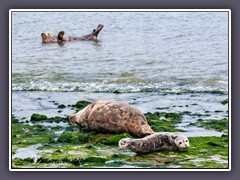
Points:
(120, 87)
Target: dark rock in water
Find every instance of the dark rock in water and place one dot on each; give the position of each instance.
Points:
(116, 92)
(224, 135)
(161, 108)
(218, 111)
(61, 106)
(224, 102)
(38, 117)
(14, 120)
(81, 104)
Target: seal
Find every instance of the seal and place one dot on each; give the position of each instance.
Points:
(48, 38)
(90, 37)
(112, 117)
(161, 141)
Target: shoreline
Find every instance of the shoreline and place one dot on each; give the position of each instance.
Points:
(52, 141)
(191, 106)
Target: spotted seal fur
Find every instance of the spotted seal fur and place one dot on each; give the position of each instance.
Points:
(161, 141)
(112, 117)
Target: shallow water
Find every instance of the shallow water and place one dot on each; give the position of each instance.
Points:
(156, 61)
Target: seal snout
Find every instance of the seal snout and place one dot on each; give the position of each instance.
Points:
(71, 118)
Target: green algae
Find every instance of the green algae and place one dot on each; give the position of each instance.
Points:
(38, 117)
(28, 135)
(77, 155)
(220, 125)
(14, 120)
(224, 102)
(21, 162)
(196, 156)
(164, 121)
(74, 138)
(76, 149)
(95, 155)
(113, 140)
(81, 104)
(61, 106)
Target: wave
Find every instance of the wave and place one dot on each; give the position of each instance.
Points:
(165, 88)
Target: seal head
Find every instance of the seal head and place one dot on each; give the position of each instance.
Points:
(181, 142)
(48, 37)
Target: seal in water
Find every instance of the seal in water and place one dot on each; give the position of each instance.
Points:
(90, 37)
(48, 37)
(161, 141)
(112, 117)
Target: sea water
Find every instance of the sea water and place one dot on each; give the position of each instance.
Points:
(156, 61)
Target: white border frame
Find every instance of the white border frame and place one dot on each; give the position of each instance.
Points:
(118, 10)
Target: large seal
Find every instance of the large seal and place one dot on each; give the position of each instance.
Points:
(92, 36)
(112, 117)
(161, 141)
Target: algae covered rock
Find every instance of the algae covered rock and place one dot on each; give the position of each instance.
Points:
(220, 125)
(81, 104)
(224, 102)
(14, 120)
(164, 121)
(38, 117)
(61, 106)
(27, 135)
(113, 140)
(92, 159)
(71, 137)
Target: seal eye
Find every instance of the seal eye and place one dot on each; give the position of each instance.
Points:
(180, 143)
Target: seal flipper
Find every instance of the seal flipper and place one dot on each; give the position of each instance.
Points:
(96, 31)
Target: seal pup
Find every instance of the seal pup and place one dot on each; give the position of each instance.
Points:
(48, 38)
(161, 141)
(90, 37)
(112, 117)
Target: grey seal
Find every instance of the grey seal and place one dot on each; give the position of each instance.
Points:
(160, 141)
(112, 117)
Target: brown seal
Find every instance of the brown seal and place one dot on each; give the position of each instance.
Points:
(50, 38)
(112, 117)
(92, 36)
(161, 141)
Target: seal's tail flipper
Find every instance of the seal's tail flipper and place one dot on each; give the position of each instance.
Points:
(146, 129)
(96, 31)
